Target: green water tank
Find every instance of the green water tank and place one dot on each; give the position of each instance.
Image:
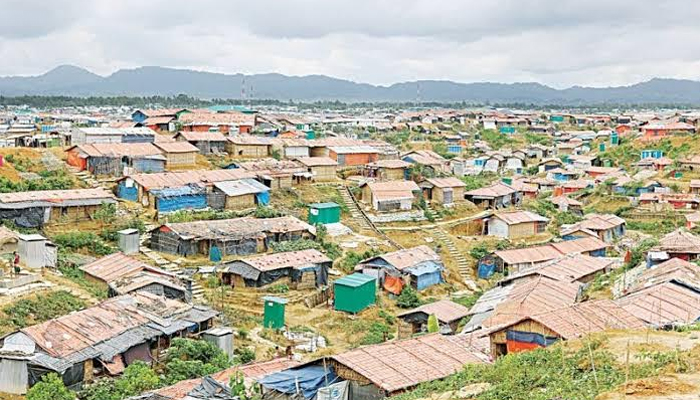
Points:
(274, 312)
(324, 213)
(601, 147)
(354, 293)
(507, 180)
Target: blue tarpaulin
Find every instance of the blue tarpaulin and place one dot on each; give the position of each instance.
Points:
(214, 254)
(427, 274)
(127, 193)
(263, 198)
(529, 337)
(309, 379)
(182, 198)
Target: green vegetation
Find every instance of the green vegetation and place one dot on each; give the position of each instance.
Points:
(352, 258)
(73, 272)
(79, 241)
(497, 140)
(189, 359)
(57, 181)
(433, 325)
(32, 311)
(637, 253)
(267, 212)
(479, 181)
(205, 215)
(136, 379)
(551, 373)
(408, 298)
(538, 138)
(378, 332)
(662, 226)
(51, 387)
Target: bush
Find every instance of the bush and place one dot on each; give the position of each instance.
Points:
(267, 212)
(279, 288)
(243, 355)
(28, 312)
(188, 359)
(86, 241)
(377, 333)
(51, 387)
(408, 298)
(479, 251)
(433, 325)
(136, 379)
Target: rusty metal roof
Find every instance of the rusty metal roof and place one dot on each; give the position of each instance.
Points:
(116, 266)
(287, 259)
(317, 161)
(246, 227)
(584, 318)
(679, 241)
(194, 136)
(444, 310)
(57, 196)
(177, 147)
(519, 217)
(398, 365)
(532, 297)
(178, 179)
(118, 149)
(664, 304)
(498, 189)
(407, 258)
(569, 268)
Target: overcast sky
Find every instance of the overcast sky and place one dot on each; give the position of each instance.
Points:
(556, 42)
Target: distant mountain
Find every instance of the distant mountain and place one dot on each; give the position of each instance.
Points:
(147, 81)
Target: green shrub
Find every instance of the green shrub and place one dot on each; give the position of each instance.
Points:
(51, 387)
(378, 332)
(26, 312)
(408, 298)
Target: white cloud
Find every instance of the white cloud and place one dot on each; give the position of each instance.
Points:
(560, 43)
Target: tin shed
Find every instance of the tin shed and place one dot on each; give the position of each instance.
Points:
(354, 293)
(35, 251)
(274, 312)
(324, 213)
(221, 338)
(129, 241)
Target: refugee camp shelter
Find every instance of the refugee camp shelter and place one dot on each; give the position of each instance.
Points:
(390, 195)
(206, 142)
(354, 293)
(607, 227)
(38, 208)
(677, 244)
(502, 304)
(303, 382)
(348, 156)
(121, 274)
(393, 367)
(178, 154)
(322, 169)
(387, 170)
(90, 135)
(499, 195)
(273, 315)
(302, 269)
(238, 236)
(448, 313)
(542, 329)
(240, 194)
(116, 159)
(324, 213)
(87, 344)
(516, 224)
(443, 191)
(419, 267)
(573, 267)
(666, 294)
(248, 146)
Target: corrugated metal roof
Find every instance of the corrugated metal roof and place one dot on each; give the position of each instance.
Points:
(664, 304)
(354, 280)
(177, 179)
(404, 364)
(317, 161)
(407, 258)
(498, 189)
(288, 259)
(245, 227)
(520, 217)
(56, 197)
(116, 266)
(444, 310)
(241, 187)
(177, 147)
